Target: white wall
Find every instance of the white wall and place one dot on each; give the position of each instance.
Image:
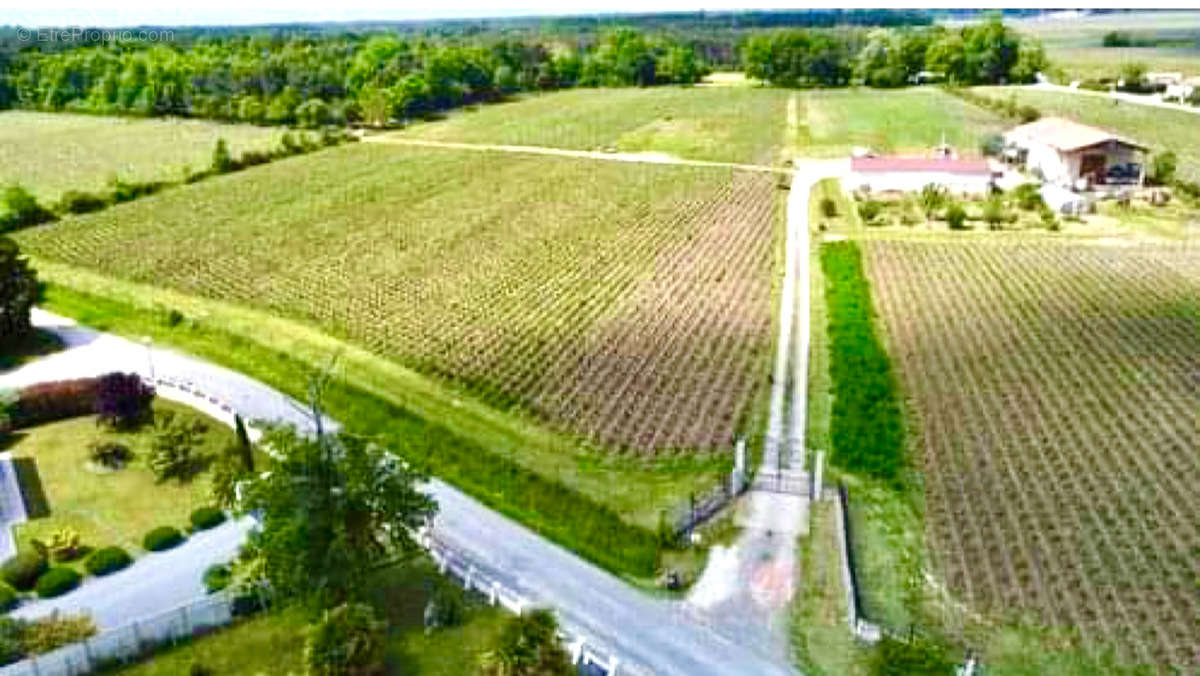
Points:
(913, 181)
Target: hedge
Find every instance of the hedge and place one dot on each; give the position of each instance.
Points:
(161, 538)
(47, 402)
(216, 578)
(207, 517)
(107, 560)
(866, 426)
(57, 581)
(23, 570)
(8, 598)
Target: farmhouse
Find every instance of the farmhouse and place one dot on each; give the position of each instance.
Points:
(1075, 155)
(882, 174)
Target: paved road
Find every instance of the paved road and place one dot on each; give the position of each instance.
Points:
(1138, 99)
(647, 158)
(648, 635)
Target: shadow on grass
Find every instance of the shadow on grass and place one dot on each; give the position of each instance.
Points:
(37, 344)
(32, 492)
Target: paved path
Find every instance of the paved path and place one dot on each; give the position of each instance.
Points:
(649, 635)
(12, 506)
(647, 158)
(1138, 99)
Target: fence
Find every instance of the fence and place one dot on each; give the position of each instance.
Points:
(697, 511)
(130, 641)
(858, 624)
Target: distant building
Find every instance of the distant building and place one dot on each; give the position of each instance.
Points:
(882, 174)
(1075, 155)
(1181, 91)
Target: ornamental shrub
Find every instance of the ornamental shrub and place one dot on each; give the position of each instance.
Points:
(107, 560)
(869, 210)
(23, 570)
(216, 578)
(123, 399)
(162, 538)
(57, 581)
(47, 402)
(8, 597)
(956, 216)
(828, 207)
(207, 517)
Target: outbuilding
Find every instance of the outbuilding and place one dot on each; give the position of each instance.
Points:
(910, 174)
(1074, 155)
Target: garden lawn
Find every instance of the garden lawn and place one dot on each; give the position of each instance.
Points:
(273, 643)
(49, 153)
(1160, 128)
(910, 120)
(116, 508)
(723, 124)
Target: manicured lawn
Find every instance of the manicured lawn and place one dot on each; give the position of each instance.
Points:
(49, 153)
(910, 120)
(116, 508)
(1161, 129)
(274, 643)
(725, 124)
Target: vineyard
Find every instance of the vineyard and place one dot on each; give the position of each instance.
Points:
(629, 304)
(1056, 388)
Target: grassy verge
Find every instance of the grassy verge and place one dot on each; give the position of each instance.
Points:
(114, 508)
(467, 446)
(37, 344)
(821, 639)
(272, 643)
(844, 217)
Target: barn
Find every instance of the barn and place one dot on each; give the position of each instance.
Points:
(882, 174)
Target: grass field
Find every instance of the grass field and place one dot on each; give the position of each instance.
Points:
(626, 303)
(1054, 384)
(724, 124)
(273, 643)
(1161, 129)
(896, 121)
(49, 153)
(116, 508)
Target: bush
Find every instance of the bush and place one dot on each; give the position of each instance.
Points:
(1027, 197)
(172, 444)
(217, 577)
(57, 581)
(917, 656)
(447, 604)
(8, 598)
(994, 213)
(1028, 114)
(109, 454)
(127, 191)
(21, 210)
(162, 538)
(992, 145)
(56, 631)
(79, 202)
(1049, 219)
(828, 207)
(65, 545)
(222, 161)
(932, 198)
(47, 402)
(107, 560)
(207, 517)
(123, 399)
(347, 640)
(869, 210)
(956, 216)
(1162, 168)
(23, 570)
(12, 640)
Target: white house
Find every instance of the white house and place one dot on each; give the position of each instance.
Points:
(881, 174)
(1181, 91)
(1075, 155)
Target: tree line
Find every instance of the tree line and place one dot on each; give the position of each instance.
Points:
(984, 53)
(337, 80)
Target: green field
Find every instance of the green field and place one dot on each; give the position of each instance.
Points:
(1161, 129)
(724, 124)
(49, 153)
(116, 508)
(898, 121)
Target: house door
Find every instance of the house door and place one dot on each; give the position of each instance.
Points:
(1091, 167)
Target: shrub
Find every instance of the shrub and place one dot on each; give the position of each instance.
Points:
(222, 161)
(869, 210)
(23, 570)
(65, 544)
(828, 207)
(915, 656)
(56, 631)
(1028, 114)
(992, 145)
(207, 517)
(47, 402)
(172, 445)
(1049, 219)
(21, 210)
(110, 454)
(346, 640)
(1162, 168)
(1028, 197)
(123, 399)
(79, 202)
(447, 606)
(57, 581)
(107, 560)
(12, 639)
(994, 212)
(127, 191)
(162, 538)
(217, 577)
(933, 197)
(8, 598)
(956, 216)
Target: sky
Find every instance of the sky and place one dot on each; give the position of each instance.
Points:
(108, 13)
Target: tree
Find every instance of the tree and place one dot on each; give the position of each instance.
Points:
(21, 210)
(895, 657)
(528, 646)
(172, 446)
(313, 113)
(18, 292)
(222, 161)
(122, 399)
(347, 640)
(1132, 74)
(331, 509)
(1162, 168)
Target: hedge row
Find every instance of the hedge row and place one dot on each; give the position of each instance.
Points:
(866, 427)
(107, 560)
(116, 397)
(57, 581)
(1006, 107)
(162, 538)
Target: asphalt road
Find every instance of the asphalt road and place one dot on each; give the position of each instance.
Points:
(648, 635)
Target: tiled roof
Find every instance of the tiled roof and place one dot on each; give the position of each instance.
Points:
(1064, 134)
(953, 166)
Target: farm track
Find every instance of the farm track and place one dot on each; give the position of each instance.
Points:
(1056, 389)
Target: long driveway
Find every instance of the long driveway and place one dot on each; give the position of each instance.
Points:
(648, 635)
(1137, 99)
